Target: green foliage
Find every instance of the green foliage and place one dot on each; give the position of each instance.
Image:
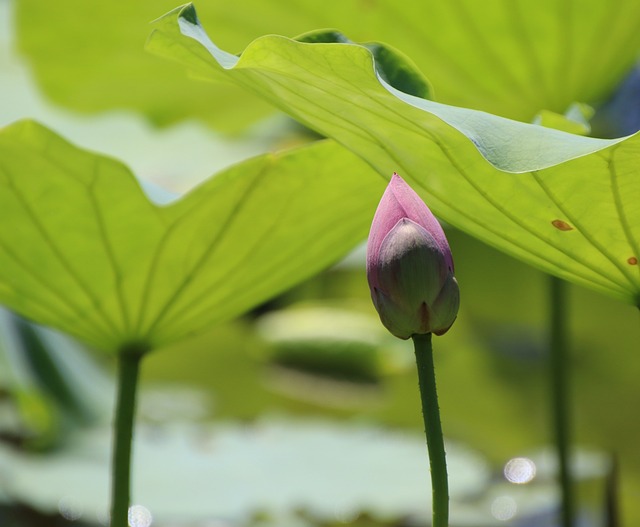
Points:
(110, 70)
(85, 251)
(46, 398)
(511, 58)
(564, 203)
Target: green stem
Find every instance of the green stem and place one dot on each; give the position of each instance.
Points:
(433, 430)
(611, 502)
(128, 369)
(559, 362)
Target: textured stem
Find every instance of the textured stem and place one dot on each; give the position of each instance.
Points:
(559, 363)
(128, 369)
(433, 430)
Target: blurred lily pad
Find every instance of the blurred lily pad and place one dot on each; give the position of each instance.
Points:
(336, 342)
(231, 471)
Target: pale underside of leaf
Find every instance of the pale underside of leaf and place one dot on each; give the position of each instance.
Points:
(82, 249)
(564, 203)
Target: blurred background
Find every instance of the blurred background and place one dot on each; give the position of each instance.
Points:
(305, 411)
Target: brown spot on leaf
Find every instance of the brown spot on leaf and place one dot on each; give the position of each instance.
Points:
(561, 225)
(632, 261)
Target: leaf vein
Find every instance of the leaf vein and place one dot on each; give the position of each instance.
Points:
(84, 288)
(598, 279)
(584, 232)
(617, 199)
(117, 275)
(179, 291)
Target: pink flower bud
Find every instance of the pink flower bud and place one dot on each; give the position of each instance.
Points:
(409, 265)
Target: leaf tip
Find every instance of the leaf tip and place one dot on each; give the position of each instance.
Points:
(188, 12)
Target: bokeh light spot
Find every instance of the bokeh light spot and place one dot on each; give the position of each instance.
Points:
(504, 508)
(139, 516)
(103, 517)
(70, 508)
(520, 470)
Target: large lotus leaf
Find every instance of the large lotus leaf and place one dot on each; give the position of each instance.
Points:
(509, 57)
(89, 56)
(83, 249)
(567, 204)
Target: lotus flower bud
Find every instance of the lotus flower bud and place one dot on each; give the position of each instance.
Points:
(409, 266)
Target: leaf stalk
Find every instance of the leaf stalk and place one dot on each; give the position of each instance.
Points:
(129, 360)
(560, 387)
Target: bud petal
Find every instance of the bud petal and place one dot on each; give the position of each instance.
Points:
(446, 306)
(409, 266)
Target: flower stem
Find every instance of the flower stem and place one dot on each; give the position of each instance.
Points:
(128, 369)
(433, 429)
(559, 361)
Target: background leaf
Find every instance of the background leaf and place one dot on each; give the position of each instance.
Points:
(110, 70)
(564, 203)
(48, 383)
(540, 54)
(83, 249)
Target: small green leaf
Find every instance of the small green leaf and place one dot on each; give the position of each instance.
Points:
(575, 120)
(564, 203)
(82, 249)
